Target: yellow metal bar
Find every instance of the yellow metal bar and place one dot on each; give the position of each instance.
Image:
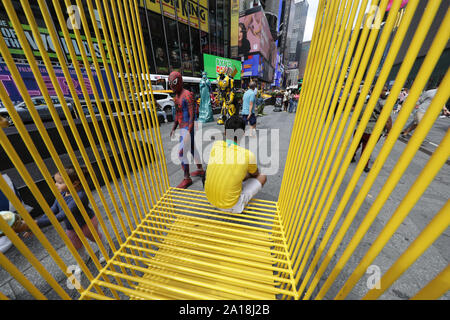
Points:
(401, 166)
(302, 243)
(436, 288)
(426, 238)
(306, 126)
(377, 131)
(104, 92)
(123, 95)
(8, 192)
(138, 106)
(3, 297)
(248, 275)
(85, 60)
(9, 267)
(357, 136)
(55, 116)
(428, 173)
(325, 113)
(163, 181)
(23, 249)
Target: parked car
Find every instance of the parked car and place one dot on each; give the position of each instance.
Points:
(164, 102)
(41, 108)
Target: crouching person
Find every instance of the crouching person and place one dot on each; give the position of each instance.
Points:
(232, 176)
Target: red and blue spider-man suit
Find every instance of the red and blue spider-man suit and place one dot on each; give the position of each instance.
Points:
(185, 115)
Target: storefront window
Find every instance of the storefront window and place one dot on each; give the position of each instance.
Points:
(173, 45)
(197, 60)
(147, 40)
(204, 42)
(186, 61)
(212, 27)
(159, 45)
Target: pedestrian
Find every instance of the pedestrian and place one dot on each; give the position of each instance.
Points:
(248, 109)
(445, 112)
(185, 113)
(285, 100)
(422, 106)
(9, 213)
(401, 98)
(232, 177)
(291, 101)
(57, 209)
(371, 125)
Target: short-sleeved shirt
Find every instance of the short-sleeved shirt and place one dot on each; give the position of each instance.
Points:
(249, 96)
(227, 167)
(425, 100)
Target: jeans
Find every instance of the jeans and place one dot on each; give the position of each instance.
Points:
(292, 106)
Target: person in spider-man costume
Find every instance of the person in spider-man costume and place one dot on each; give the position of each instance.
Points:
(185, 115)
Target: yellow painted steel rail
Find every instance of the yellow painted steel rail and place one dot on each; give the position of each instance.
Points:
(167, 243)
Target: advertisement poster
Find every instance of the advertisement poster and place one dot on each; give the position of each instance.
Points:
(33, 89)
(254, 35)
(252, 67)
(234, 26)
(214, 64)
(15, 47)
(198, 14)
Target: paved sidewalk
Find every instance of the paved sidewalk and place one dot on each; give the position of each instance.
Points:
(425, 269)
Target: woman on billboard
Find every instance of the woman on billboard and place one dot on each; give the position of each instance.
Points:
(243, 43)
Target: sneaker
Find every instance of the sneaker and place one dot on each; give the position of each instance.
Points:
(185, 183)
(5, 244)
(443, 117)
(366, 169)
(199, 172)
(101, 258)
(353, 160)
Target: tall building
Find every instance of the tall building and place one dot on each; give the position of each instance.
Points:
(257, 47)
(176, 33)
(292, 37)
(303, 59)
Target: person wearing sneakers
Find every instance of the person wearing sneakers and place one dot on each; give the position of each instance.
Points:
(184, 118)
(248, 108)
(232, 176)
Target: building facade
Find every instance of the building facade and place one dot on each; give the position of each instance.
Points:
(294, 29)
(176, 32)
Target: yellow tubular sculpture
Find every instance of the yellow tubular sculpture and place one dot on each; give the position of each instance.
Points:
(167, 243)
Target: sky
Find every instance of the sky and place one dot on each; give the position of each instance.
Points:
(312, 10)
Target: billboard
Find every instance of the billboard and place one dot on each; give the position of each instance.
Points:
(188, 11)
(214, 64)
(254, 34)
(15, 47)
(234, 25)
(252, 67)
(33, 89)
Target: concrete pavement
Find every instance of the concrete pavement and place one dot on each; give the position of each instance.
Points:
(425, 269)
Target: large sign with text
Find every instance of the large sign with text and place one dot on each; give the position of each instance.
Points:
(188, 11)
(15, 47)
(33, 89)
(214, 64)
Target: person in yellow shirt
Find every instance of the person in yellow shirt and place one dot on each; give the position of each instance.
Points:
(232, 176)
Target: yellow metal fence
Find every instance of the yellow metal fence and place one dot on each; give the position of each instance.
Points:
(168, 243)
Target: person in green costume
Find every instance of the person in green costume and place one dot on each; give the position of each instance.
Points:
(205, 112)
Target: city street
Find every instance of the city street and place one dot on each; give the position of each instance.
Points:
(425, 269)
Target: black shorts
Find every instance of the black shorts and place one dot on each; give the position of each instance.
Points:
(251, 121)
